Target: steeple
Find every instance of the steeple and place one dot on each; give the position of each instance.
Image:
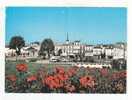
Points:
(67, 37)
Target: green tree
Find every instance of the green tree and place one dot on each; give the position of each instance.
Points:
(59, 52)
(47, 46)
(17, 42)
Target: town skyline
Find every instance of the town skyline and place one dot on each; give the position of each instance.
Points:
(63, 42)
(91, 25)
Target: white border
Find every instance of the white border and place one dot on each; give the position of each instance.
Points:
(66, 3)
(98, 3)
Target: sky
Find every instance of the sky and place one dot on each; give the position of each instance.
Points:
(91, 25)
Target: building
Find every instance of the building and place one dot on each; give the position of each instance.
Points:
(69, 48)
(97, 51)
(120, 51)
(77, 50)
(9, 52)
(88, 51)
(109, 52)
(30, 50)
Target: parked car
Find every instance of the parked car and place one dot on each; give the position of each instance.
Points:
(64, 60)
(54, 59)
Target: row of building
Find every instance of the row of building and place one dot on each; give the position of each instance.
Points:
(76, 48)
(110, 51)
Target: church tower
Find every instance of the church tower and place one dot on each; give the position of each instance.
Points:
(67, 39)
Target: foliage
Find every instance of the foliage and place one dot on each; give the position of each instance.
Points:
(47, 47)
(32, 59)
(119, 64)
(17, 42)
(59, 52)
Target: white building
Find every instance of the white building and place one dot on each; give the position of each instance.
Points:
(109, 52)
(9, 52)
(120, 51)
(69, 48)
(116, 51)
(97, 51)
(30, 50)
(88, 50)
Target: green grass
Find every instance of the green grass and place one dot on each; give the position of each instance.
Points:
(10, 66)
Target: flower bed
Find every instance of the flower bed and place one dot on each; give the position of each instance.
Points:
(66, 80)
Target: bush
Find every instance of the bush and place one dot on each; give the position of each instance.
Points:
(32, 59)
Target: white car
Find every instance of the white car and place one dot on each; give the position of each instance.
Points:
(64, 60)
(54, 59)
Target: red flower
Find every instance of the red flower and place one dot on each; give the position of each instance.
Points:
(72, 71)
(117, 75)
(31, 78)
(51, 82)
(104, 71)
(12, 78)
(54, 81)
(62, 77)
(60, 70)
(21, 67)
(87, 81)
(122, 74)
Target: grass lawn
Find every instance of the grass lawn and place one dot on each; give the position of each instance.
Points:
(10, 66)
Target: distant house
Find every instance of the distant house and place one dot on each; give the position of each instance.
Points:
(10, 52)
(119, 51)
(88, 52)
(109, 52)
(69, 48)
(97, 51)
(33, 52)
(30, 50)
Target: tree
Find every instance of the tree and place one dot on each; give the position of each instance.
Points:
(47, 46)
(103, 55)
(17, 42)
(59, 52)
(119, 64)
